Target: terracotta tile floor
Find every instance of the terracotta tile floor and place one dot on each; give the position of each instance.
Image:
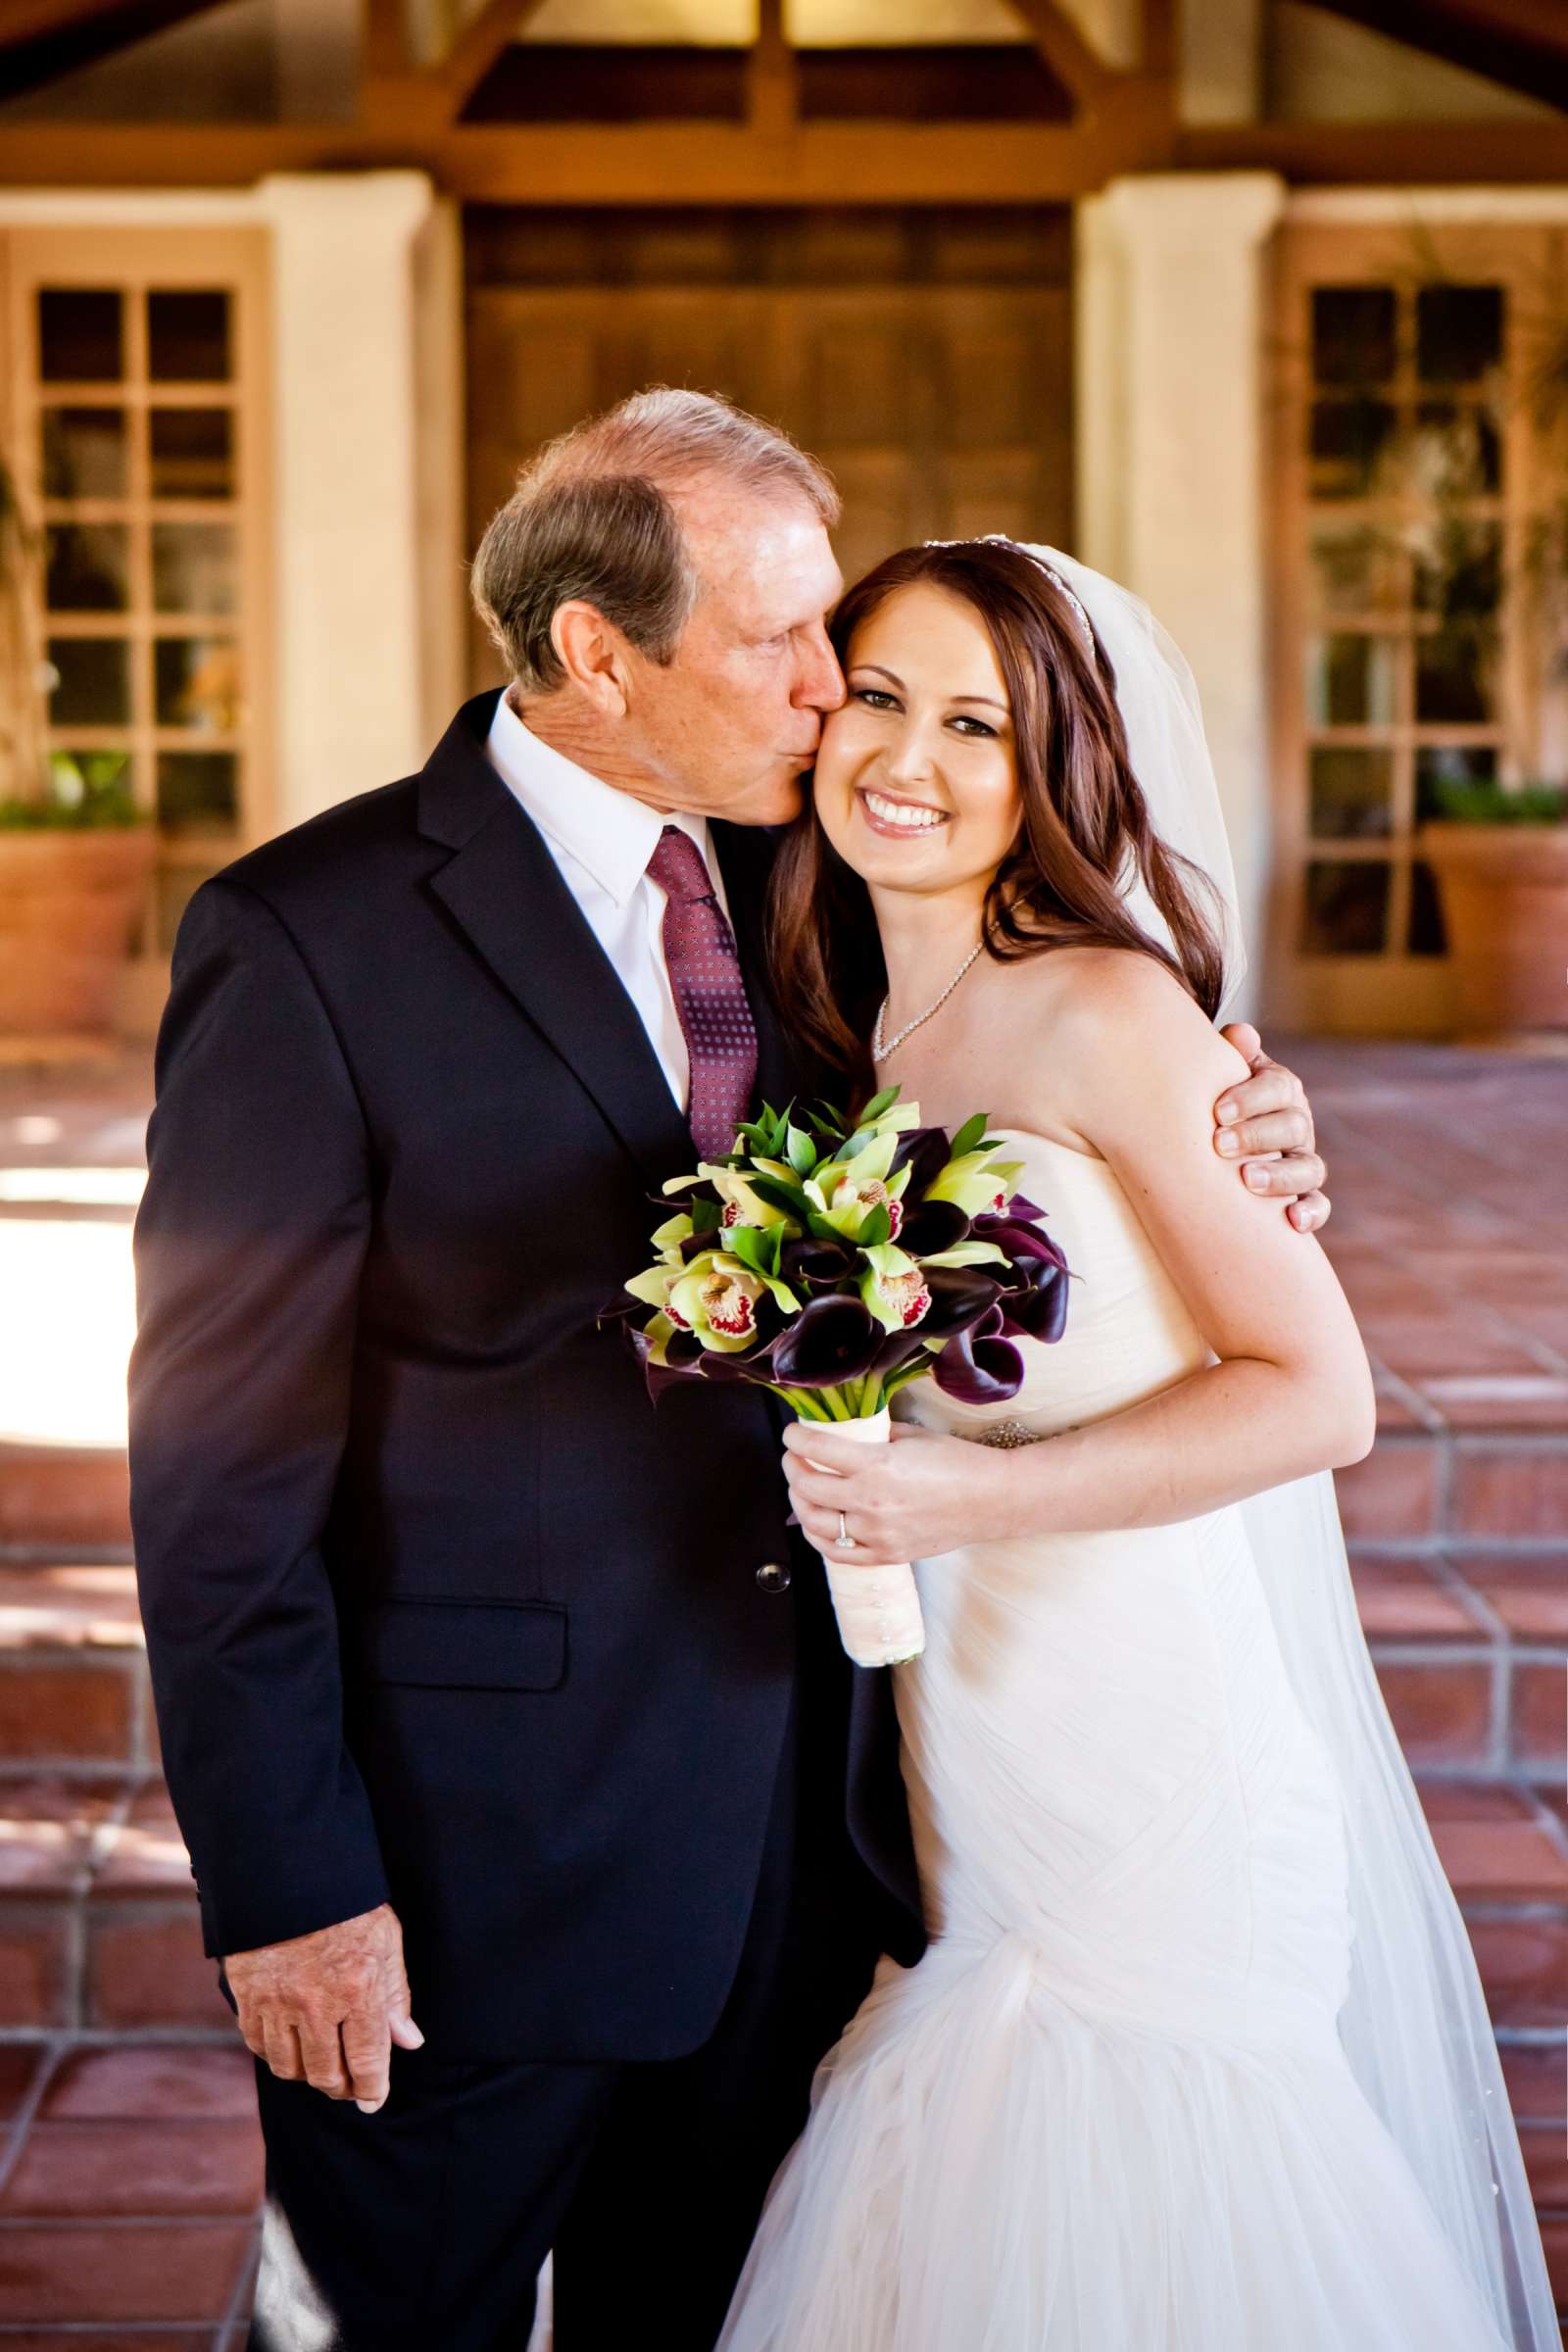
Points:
(128, 2156)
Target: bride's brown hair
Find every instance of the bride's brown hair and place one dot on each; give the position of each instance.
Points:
(1084, 824)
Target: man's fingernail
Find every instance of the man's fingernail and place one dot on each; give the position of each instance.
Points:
(368, 2106)
(1257, 1178)
(1230, 1145)
(1228, 1114)
(416, 2036)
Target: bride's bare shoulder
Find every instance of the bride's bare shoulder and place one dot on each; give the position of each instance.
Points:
(1092, 1011)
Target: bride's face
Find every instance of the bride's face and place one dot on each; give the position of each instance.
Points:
(916, 784)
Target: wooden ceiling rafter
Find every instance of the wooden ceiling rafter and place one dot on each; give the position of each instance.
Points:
(1075, 63)
(773, 82)
(40, 40)
(477, 44)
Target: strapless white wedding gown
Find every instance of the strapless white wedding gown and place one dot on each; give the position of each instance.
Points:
(1109, 2111)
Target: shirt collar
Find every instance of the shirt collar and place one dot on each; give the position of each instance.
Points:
(609, 832)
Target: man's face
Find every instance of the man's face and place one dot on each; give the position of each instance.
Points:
(730, 725)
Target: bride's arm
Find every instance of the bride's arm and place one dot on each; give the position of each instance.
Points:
(1134, 1063)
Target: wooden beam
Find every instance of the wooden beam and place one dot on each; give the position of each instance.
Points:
(1069, 55)
(654, 163)
(772, 87)
(384, 38)
(1523, 44)
(492, 29)
(42, 39)
(1379, 154)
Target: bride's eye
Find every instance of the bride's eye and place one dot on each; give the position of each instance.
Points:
(972, 726)
(876, 697)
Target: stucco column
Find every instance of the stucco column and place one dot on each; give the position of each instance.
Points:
(367, 335)
(1171, 396)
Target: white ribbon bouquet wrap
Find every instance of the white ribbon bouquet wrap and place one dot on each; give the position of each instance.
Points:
(833, 1260)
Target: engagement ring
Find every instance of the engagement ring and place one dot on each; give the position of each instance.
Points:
(845, 1541)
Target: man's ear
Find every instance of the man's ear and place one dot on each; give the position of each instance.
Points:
(593, 656)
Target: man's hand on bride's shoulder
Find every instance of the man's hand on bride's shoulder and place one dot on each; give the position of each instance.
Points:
(325, 2008)
(921, 1495)
(1264, 1123)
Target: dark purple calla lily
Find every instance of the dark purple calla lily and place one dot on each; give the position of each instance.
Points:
(1021, 1211)
(814, 1258)
(1037, 1308)
(959, 1296)
(830, 1340)
(930, 1226)
(927, 1150)
(1017, 1240)
(977, 1369)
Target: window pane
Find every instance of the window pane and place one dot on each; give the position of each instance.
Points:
(1354, 334)
(1427, 936)
(1456, 450)
(1346, 910)
(193, 568)
(85, 453)
(1439, 764)
(198, 790)
(1455, 678)
(1350, 681)
(1348, 440)
(1355, 571)
(196, 684)
(1351, 788)
(1458, 570)
(87, 567)
(81, 337)
(92, 682)
(1459, 332)
(188, 338)
(193, 453)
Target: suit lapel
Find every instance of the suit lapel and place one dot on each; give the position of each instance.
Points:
(503, 888)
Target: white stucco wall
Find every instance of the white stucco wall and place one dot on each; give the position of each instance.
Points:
(1170, 411)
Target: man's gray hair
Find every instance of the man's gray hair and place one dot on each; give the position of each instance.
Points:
(592, 519)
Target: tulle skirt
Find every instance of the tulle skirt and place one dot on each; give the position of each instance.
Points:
(989, 2170)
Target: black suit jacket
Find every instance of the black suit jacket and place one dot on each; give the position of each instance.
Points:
(439, 1608)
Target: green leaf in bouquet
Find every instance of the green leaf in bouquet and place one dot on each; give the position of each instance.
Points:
(888, 1259)
(877, 1226)
(878, 1105)
(800, 1151)
(967, 1253)
(745, 1242)
(970, 1135)
(786, 1197)
(707, 1216)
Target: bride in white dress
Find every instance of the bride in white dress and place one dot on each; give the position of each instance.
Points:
(1196, 2059)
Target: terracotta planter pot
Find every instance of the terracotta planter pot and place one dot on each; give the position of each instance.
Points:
(69, 905)
(1504, 891)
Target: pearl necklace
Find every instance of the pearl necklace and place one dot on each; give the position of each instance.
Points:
(882, 1047)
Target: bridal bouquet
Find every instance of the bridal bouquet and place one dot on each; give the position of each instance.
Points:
(834, 1262)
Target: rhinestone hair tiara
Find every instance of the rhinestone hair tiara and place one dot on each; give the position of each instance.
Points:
(1000, 539)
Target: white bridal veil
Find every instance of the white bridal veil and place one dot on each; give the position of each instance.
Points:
(1414, 2023)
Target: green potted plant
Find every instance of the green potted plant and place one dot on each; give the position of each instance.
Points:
(1500, 857)
(76, 851)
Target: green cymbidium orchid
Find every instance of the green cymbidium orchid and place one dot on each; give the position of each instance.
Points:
(976, 1183)
(717, 1300)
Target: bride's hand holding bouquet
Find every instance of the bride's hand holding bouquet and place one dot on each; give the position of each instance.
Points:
(834, 1261)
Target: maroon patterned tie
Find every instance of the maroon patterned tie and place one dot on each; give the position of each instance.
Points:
(704, 973)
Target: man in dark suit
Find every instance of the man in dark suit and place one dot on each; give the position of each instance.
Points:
(490, 1699)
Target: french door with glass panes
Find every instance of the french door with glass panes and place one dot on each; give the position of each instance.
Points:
(1416, 502)
(134, 426)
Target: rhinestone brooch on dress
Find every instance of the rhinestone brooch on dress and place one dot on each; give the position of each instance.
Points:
(1011, 1433)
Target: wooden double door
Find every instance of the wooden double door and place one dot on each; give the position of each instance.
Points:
(927, 363)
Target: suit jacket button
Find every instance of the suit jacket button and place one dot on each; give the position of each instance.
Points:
(772, 1577)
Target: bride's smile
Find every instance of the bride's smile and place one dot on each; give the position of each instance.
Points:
(917, 786)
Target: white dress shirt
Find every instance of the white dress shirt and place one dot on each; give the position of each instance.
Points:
(601, 840)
